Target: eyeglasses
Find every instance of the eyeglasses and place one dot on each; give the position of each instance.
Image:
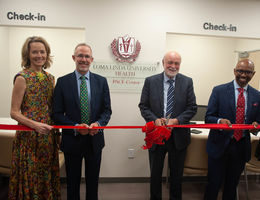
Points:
(81, 56)
(240, 71)
(173, 63)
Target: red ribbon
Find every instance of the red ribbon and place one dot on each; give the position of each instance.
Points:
(154, 134)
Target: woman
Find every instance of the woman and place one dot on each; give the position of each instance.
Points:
(35, 160)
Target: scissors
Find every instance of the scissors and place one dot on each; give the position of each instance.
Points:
(167, 119)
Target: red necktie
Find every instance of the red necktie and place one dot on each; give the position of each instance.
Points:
(240, 113)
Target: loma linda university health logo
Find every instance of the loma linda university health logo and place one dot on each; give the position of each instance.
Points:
(125, 49)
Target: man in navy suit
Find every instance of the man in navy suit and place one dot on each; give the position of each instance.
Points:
(153, 107)
(227, 155)
(82, 143)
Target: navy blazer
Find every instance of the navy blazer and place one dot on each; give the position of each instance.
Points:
(66, 110)
(152, 104)
(222, 105)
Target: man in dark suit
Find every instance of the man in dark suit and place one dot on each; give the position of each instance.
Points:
(228, 153)
(69, 101)
(178, 109)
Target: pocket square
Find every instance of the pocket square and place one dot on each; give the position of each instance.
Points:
(255, 104)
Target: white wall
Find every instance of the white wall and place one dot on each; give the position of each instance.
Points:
(209, 60)
(149, 22)
(58, 39)
(12, 39)
(4, 75)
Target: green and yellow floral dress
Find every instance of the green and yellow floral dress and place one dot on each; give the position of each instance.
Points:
(35, 159)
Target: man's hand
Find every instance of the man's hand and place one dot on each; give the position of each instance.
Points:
(255, 130)
(225, 121)
(159, 122)
(83, 131)
(93, 131)
(163, 122)
(173, 121)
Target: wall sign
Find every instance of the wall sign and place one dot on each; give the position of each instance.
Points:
(25, 16)
(125, 49)
(219, 27)
(125, 77)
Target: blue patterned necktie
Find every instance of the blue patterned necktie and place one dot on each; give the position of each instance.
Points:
(170, 98)
(84, 101)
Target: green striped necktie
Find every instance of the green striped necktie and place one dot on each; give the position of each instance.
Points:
(84, 101)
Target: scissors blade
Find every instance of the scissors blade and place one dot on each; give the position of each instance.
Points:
(167, 118)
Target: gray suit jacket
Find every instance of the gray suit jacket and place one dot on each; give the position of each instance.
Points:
(152, 105)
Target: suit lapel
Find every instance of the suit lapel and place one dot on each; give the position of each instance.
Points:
(177, 89)
(93, 84)
(177, 85)
(249, 102)
(231, 98)
(74, 88)
(160, 87)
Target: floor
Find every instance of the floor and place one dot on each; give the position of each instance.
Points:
(140, 191)
(192, 190)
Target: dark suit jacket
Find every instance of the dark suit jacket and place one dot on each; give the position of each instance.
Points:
(66, 110)
(152, 104)
(222, 105)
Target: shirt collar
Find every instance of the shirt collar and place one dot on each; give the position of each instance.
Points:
(236, 86)
(78, 75)
(166, 78)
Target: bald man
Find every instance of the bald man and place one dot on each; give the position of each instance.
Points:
(235, 102)
(159, 105)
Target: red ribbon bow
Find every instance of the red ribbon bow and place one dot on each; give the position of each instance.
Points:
(155, 134)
